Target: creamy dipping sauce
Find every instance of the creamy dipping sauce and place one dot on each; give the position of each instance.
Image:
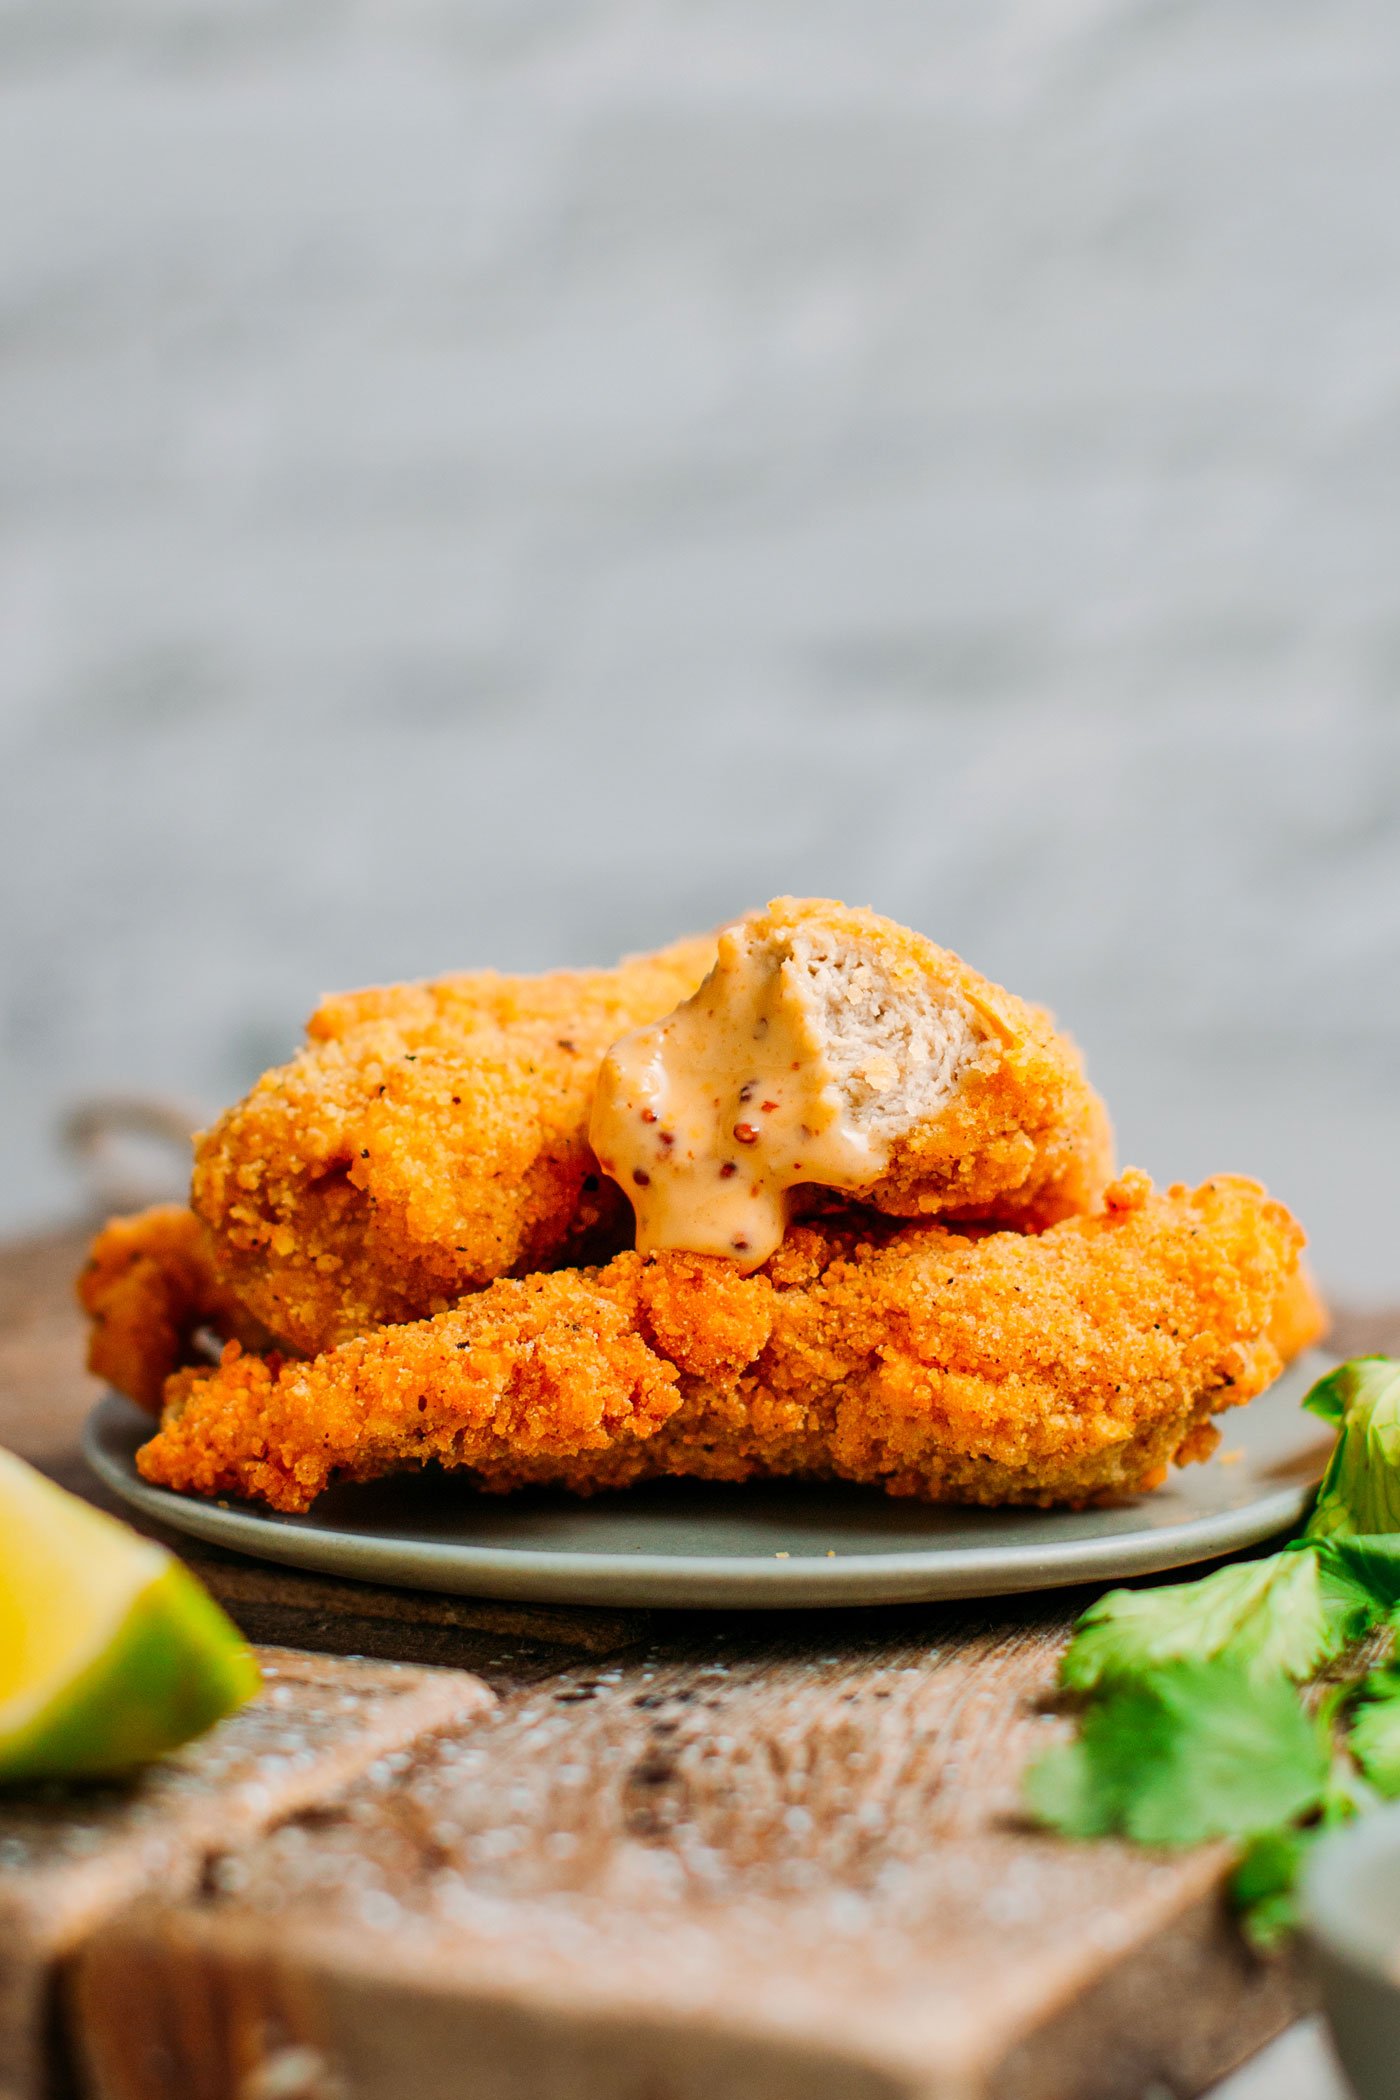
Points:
(709, 1118)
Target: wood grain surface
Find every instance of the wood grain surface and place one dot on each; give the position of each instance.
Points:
(684, 1854)
(71, 1857)
(646, 1874)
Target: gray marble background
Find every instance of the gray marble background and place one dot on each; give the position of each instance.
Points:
(505, 480)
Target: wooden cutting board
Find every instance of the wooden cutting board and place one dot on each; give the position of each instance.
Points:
(683, 1855)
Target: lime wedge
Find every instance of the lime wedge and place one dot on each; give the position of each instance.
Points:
(110, 1652)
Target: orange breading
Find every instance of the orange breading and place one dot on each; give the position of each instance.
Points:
(1301, 1318)
(149, 1285)
(993, 1367)
(429, 1138)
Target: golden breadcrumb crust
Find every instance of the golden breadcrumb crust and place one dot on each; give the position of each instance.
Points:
(149, 1286)
(1301, 1318)
(982, 1367)
(429, 1138)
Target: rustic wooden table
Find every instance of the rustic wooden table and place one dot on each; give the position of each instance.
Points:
(593, 1855)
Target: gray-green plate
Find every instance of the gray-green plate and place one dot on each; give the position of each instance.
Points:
(774, 1544)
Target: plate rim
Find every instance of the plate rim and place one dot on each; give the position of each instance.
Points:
(698, 1581)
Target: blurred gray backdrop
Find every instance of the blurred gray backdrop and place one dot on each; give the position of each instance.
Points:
(506, 480)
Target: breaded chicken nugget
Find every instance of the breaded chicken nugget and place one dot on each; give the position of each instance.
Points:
(429, 1138)
(995, 1367)
(832, 1047)
(150, 1287)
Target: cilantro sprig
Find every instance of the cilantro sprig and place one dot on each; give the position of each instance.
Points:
(1194, 1717)
(1375, 1730)
(1360, 1491)
(1185, 1752)
(1283, 1616)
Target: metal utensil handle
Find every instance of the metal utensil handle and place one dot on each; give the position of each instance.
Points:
(102, 1136)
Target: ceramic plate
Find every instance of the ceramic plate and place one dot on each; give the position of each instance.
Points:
(770, 1544)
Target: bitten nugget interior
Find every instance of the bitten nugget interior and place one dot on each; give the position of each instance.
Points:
(832, 1047)
(410, 1250)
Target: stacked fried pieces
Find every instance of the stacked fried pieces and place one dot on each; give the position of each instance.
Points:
(403, 1246)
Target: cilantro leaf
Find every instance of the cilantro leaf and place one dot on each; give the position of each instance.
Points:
(1192, 1727)
(1194, 1751)
(1373, 1560)
(1375, 1731)
(1263, 1884)
(1289, 1613)
(1360, 1491)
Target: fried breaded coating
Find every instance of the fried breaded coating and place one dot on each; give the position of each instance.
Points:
(428, 1139)
(830, 1046)
(994, 1367)
(1302, 1318)
(150, 1287)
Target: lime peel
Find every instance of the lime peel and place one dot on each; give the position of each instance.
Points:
(111, 1653)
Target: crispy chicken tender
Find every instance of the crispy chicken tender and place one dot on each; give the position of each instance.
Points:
(428, 1139)
(988, 1367)
(830, 1046)
(150, 1287)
